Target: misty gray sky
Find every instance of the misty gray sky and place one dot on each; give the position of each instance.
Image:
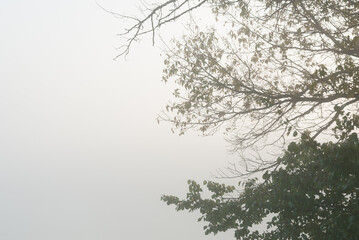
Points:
(81, 154)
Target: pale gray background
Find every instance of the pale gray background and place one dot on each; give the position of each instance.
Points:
(81, 155)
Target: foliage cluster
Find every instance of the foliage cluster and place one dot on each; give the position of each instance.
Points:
(313, 194)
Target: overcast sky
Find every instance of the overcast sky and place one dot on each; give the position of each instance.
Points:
(81, 154)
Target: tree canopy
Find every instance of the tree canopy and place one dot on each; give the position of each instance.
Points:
(263, 70)
(313, 194)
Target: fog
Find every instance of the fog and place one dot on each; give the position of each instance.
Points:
(81, 154)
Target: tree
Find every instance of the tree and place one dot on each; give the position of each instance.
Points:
(269, 72)
(264, 70)
(314, 194)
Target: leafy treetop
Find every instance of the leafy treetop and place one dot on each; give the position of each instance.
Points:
(266, 69)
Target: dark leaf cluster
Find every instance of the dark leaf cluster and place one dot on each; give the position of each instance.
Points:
(313, 194)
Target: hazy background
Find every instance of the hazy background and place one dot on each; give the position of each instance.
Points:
(81, 154)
